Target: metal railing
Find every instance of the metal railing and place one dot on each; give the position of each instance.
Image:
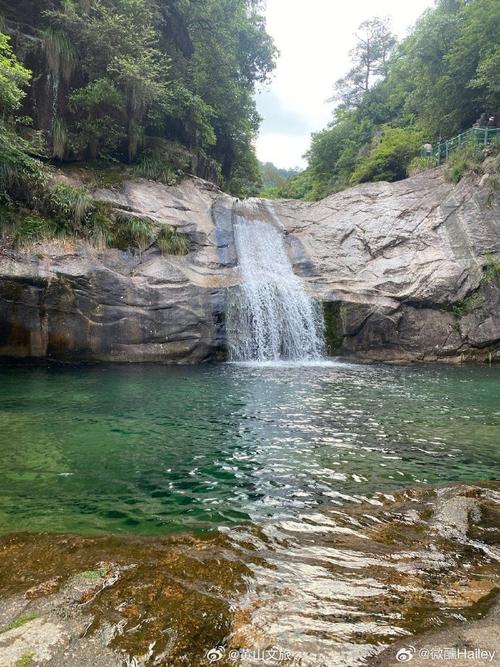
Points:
(478, 135)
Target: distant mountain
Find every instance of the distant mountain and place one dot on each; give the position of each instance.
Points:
(273, 176)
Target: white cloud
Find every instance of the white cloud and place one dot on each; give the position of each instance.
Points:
(282, 149)
(314, 39)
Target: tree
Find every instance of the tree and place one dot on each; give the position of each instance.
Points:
(21, 175)
(180, 70)
(370, 58)
(124, 70)
(389, 157)
(232, 51)
(14, 78)
(445, 73)
(432, 85)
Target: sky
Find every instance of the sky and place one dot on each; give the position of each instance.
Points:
(314, 38)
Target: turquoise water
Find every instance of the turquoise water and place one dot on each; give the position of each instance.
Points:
(154, 449)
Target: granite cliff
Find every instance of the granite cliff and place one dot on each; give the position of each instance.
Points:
(407, 271)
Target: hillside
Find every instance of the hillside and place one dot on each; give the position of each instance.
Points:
(128, 80)
(432, 84)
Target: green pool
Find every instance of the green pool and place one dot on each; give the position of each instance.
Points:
(154, 449)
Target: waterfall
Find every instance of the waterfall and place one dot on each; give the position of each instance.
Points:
(270, 316)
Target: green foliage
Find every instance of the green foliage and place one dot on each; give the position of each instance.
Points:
(32, 228)
(422, 163)
(334, 316)
(437, 81)
(189, 110)
(465, 160)
(100, 229)
(132, 232)
(69, 212)
(60, 52)
(370, 57)
(246, 179)
(69, 204)
(390, 156)
(26, 659)
(156, 168)
(335, 151)
(468, 305)
(488, 76)
(274, 178)
(20, 620)
(100, 117)
(59, 138)
(14, 78)
(491, 271)
(179, 70)
(23, 178)
(301, 186)
(172, 242)
(94, 574)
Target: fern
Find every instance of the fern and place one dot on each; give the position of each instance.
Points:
(70, 204)
(155, 168)
(131, 232)
(101, 226)
(33, 228)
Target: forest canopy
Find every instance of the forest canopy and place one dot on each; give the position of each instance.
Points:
(430, 86)
(116, 79)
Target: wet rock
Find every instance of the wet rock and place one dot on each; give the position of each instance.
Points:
(451, 518)
(34, 641)
(349, 582)
(118, 601)
(404, 264)
(475, 643)
(333, 588)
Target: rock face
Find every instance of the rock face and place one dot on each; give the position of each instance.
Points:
(406, 271)
(408, 267)
(70, 302)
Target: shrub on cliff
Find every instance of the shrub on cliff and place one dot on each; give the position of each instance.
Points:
(22, 176)
(390, 156)
(172, 242)
(14, 78)
(468, 159)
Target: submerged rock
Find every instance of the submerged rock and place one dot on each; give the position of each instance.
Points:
(333, 589)
(476, 643)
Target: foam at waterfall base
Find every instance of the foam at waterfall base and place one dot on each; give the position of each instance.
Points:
(303, 363)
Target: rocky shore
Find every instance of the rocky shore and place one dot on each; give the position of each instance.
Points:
(398, 572)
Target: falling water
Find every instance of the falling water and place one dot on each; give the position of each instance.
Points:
(270, 316)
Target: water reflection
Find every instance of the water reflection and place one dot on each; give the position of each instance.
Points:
(297, 470)
(152, 449)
